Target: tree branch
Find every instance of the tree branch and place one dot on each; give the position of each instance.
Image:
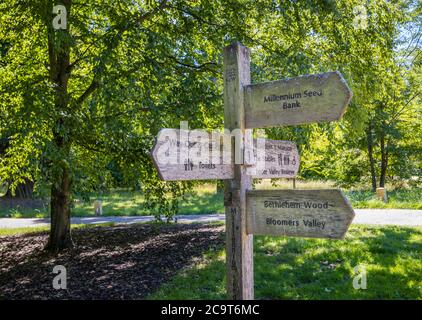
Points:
(405, 105)
(95, 83)
(91, 88)
(201, 66)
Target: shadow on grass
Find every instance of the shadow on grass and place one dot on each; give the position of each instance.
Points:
(296, 268)
(121, 262)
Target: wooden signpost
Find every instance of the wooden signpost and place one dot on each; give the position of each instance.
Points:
(191, 155)
(273, 159)
(239, 244)
(181, 155)
(299, 213)
(301, 100)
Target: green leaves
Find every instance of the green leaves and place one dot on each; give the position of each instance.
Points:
(123, 70)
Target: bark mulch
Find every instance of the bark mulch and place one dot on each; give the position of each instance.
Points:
(118, 262)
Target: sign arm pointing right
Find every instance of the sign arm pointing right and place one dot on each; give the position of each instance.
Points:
(295, 101)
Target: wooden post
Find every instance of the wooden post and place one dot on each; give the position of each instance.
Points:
(98, 207)
(325, 98)
(239, 244)
(382, 194)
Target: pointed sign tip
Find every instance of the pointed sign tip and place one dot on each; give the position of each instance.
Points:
(295, 101)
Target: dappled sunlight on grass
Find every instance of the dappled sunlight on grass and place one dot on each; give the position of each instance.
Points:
(119, 262)
(13, 231)
(204, 282)
(296, 268)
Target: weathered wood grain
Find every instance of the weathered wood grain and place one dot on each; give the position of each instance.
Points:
(192, 155)
(274, 159)
(299, 213)
(295, 101)
(239, 244)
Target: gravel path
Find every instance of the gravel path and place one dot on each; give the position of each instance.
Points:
(400, 217)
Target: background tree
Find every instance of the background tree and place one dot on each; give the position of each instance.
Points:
(83, 102)
(99, 90)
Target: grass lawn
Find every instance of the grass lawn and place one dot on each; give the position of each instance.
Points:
(205, 200)
(398, 199)
(13, 231)
(297, 268)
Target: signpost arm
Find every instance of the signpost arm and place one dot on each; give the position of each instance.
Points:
(239, 244)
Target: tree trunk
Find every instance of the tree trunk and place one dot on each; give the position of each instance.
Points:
(59, 58)
(384, 160)
(371, 156)
(60, 235)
